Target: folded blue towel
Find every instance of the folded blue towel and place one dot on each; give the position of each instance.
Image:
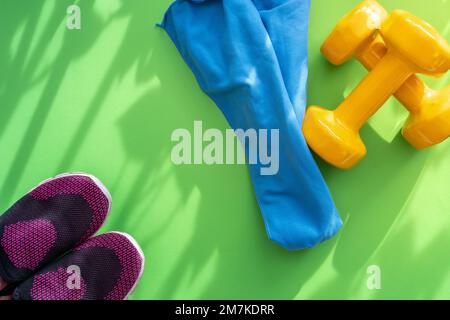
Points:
(250, 57)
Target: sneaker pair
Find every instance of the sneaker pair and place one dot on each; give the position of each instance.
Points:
(47, 248)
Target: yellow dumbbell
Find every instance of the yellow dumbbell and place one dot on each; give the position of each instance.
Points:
(429, 122)
(413, 46)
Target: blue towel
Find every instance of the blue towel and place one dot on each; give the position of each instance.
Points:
(250, 58)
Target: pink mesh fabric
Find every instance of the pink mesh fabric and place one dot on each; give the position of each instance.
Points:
(57, 286)
(27, 242)
(80, 185)
(130, 260)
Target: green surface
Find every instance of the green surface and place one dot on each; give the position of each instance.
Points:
(105, 100)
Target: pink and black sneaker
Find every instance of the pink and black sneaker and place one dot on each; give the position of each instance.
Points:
(50, 220)
(106, 267)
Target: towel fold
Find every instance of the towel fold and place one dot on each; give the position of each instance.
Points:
(250, 58)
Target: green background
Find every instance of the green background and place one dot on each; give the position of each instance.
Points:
(105, 100)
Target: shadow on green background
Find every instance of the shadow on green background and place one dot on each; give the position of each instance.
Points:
(105, 100)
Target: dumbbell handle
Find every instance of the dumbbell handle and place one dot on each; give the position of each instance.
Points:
(412, 92)
(385, 79)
